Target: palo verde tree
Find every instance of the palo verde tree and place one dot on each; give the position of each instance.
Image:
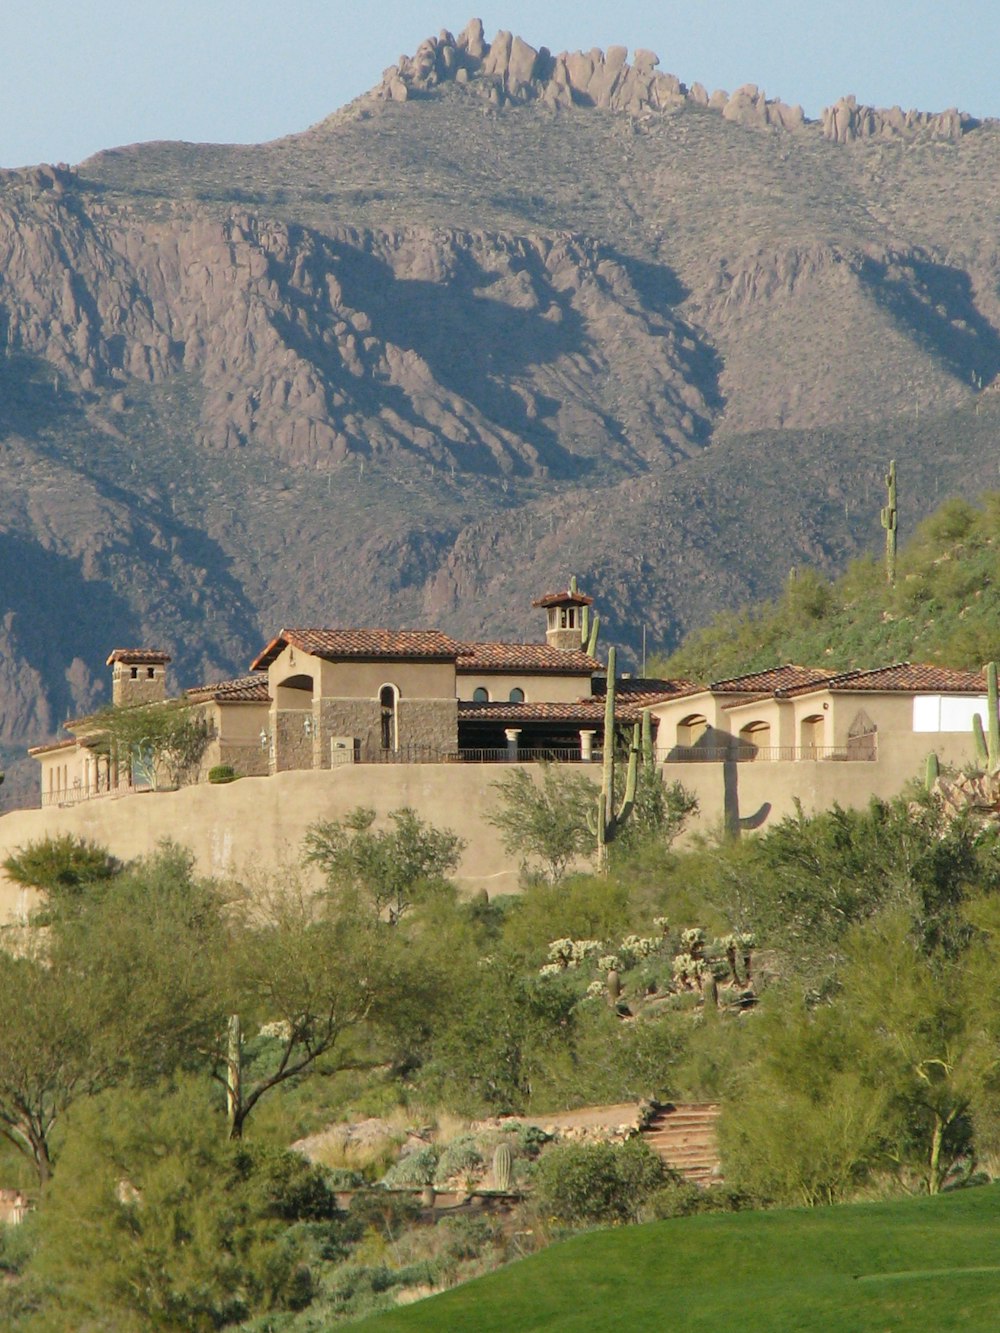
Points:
(303, 974)
(154, 740)
(544, 822)
(390, 867)
(122, 985)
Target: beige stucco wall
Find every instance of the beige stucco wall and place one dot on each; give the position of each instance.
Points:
(364, 680)
(259, 823)
(537, 688)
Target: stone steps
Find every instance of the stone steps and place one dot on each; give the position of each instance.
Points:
(684, 1137)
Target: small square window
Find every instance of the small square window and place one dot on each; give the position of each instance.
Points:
(135, 673)
(150, 673)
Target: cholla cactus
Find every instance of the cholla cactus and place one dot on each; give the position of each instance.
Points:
(609, 962)
(595, 989)
(684, 970)
(662, 923)
(693, 941)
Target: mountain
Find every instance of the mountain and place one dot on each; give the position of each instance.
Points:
(509, 315)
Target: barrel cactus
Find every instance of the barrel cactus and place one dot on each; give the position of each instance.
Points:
(503, 1165)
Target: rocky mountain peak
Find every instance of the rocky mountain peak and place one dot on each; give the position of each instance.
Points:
(510, 71)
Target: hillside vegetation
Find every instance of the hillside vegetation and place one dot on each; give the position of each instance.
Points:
(944, 607)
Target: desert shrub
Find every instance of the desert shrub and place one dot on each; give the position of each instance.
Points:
(581, 1183)
(385, 1214)
(460, 1158)
(222, 773)
(414, 1170)
(466, 1236)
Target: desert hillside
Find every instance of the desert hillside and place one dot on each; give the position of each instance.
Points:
(509, 315)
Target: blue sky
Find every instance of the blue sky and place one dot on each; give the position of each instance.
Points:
(80, 75)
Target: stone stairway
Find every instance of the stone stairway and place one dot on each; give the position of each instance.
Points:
(684, 1136)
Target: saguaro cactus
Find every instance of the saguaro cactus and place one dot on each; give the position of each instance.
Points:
(503, 1163)
(589, 628)
(609, 820)
(988, 737)
(890, 521)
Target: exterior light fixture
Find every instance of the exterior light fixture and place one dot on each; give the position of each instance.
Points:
(263, 739)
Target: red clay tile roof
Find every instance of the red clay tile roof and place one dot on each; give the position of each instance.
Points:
(586, 712)
(53, 745)
(566, 598)
(532, 657)
(426, 645)
(244, 689)
(786, 677)
(903, 677)
(139, 657)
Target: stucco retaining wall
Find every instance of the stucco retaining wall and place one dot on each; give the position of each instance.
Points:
(259, 823)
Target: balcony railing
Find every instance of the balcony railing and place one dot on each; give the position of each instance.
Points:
(750, 754)
(423, 754)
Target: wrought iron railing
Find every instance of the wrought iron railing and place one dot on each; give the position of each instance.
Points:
(749, 754)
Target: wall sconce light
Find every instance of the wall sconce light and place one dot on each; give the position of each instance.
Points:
(263, 739)
(307, 725)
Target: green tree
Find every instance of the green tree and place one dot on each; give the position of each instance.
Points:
(583, 1183)
(159, 1223)
(61, 866)
(392, 867)
(545, 822)
(154, 740)
(304, 973)
(123, 987)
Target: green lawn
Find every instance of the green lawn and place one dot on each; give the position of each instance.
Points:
(920, 1264)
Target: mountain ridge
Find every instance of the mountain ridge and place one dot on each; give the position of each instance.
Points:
(414, 364)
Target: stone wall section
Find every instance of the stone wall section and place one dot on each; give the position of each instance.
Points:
(429, 723)
(293, 746)
(357, 718)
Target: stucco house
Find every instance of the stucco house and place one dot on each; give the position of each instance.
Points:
(891, 714)
(320, 698)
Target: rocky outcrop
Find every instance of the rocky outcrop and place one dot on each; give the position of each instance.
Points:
(846, 122)
(449, 345)
(509, 70)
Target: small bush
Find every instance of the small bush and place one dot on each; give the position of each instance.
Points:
(581, 1183)
(461, 1159)
(414, 1170)
(222, 773)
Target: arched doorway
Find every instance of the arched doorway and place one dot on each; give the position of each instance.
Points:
(812, 735)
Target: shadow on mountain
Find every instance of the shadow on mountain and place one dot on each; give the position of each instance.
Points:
(31, 395)
(661, 291)
(471, 344)
(57, 615)
(936, 306)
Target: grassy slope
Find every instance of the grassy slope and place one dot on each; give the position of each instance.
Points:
(945, 607)
(927, 1264)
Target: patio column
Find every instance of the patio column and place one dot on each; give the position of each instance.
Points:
(513, 736)
(587, 745)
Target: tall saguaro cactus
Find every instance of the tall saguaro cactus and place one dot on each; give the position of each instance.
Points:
(988, 738)
(890, 521)
(610, 820)
(589, 629)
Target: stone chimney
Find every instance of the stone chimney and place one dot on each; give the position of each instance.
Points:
(565, 619)
(138, 676)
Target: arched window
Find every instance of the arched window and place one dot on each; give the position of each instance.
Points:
(754, 737)
(480, 695)
(517, 696)
(388, 701)
(691, 729)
